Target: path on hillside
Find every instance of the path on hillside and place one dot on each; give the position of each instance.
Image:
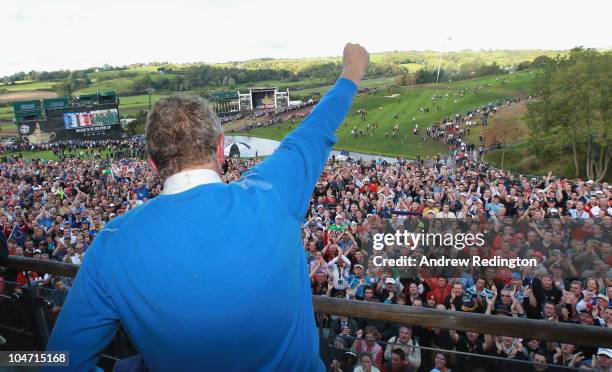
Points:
(26, 95)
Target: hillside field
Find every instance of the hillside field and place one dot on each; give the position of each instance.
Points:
(406, 102)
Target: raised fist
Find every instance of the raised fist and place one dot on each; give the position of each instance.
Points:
(355, 60)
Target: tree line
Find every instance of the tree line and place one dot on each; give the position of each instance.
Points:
(572, 111)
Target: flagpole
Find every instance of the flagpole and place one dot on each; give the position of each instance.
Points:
(11, 234)
(440, 61)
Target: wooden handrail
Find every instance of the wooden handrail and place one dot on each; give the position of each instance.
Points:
(46, 266)
(576, 334)
(495, 325)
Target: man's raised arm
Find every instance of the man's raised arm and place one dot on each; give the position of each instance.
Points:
(296, 165)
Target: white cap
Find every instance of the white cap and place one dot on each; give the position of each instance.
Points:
(604, 351)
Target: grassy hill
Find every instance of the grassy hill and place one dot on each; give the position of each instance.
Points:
(411, 60)
(6, 113)
(118, 85)
(406, 102)
(26, 86)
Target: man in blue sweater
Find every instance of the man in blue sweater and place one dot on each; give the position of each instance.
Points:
(189, 274)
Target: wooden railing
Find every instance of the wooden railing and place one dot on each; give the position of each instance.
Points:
(411, 315)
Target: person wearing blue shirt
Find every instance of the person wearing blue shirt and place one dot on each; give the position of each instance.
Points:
(358, 281)
(141, 191)
(494, 206)
(175, 294)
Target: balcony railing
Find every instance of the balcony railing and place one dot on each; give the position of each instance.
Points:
(494, 325)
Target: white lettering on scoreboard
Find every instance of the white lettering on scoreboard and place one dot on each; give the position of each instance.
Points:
(94, 129)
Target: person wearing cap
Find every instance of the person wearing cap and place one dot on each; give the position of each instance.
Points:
(494, 206)
(185, 146)
(358, 281)
(367, 186)
(602, 360)
(387, 290)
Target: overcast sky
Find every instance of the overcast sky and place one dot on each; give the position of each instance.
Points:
(49, 35)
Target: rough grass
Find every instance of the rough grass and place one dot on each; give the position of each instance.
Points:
(508, 126)
(519, 159)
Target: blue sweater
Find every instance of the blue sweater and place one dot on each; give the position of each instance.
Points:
(207, 279)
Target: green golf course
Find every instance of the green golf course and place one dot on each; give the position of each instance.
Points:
(406, 102)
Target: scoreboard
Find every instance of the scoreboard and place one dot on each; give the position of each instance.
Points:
(93, 116)
(79, 120)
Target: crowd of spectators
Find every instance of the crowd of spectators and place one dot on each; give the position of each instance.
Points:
(564, 225)
(259, 119)
(79, 149)
(452, 130)
(54, 209)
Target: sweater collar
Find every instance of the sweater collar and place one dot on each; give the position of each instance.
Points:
(189, 179)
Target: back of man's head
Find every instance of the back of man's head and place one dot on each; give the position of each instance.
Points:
(181, 133)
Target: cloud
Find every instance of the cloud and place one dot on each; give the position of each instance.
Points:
(48, 35)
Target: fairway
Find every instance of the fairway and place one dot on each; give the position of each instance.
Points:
(119, 84)
(133, 104)
(42, 85)
(406, 105)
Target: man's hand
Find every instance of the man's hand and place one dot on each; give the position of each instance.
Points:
(355, 60)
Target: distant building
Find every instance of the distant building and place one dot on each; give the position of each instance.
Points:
(228, 103)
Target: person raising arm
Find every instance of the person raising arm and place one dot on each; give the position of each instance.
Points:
(121, 282)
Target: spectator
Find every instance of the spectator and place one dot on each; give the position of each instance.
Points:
(440, 363)
(369, 345)
(411, 353)
(397, 363)
(366, 364)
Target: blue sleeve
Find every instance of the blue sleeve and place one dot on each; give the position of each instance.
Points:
(296, 165)
(88, 320)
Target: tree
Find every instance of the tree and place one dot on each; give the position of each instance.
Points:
(541, 61)
(404, 79)
(523, 65)
(572, 111)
